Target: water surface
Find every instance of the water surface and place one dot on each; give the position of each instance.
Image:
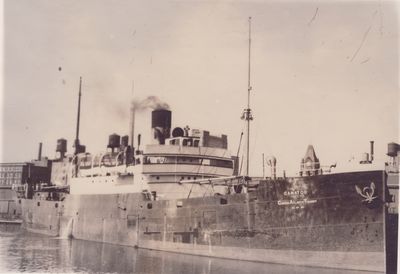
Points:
(22, 251)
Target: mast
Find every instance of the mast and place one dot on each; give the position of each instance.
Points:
(132, 118)
(247, 112)
(77, 144)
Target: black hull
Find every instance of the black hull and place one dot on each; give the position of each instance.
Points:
(335, 221)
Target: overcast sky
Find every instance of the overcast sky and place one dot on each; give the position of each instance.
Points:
(323, 73)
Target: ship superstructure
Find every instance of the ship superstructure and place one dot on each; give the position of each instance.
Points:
(162, 167)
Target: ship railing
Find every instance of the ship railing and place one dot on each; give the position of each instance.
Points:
(102, 171)
(227, 181)
(99, 165)
(232, 184)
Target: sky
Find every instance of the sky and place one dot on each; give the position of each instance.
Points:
(323, 73)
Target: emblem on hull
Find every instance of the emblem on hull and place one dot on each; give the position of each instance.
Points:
(367, 193)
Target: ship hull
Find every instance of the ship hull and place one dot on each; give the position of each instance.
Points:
(335, 221)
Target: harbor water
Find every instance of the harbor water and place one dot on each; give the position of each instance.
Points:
(21, 251)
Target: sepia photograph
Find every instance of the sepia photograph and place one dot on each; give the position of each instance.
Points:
(202, 137)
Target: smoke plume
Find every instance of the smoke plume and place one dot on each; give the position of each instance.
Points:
(151, 102)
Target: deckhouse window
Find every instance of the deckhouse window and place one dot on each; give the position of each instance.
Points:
(174, 142)
(188, 161)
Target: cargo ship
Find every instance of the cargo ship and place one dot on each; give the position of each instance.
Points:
(184, 195)
(184, 192)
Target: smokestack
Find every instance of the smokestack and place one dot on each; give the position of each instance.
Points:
(154, 103)
(40, 151)
(132, 125)
(372, 151)
(161, 125)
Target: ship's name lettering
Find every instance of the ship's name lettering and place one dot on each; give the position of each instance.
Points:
(294, 202)
(294, 193)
